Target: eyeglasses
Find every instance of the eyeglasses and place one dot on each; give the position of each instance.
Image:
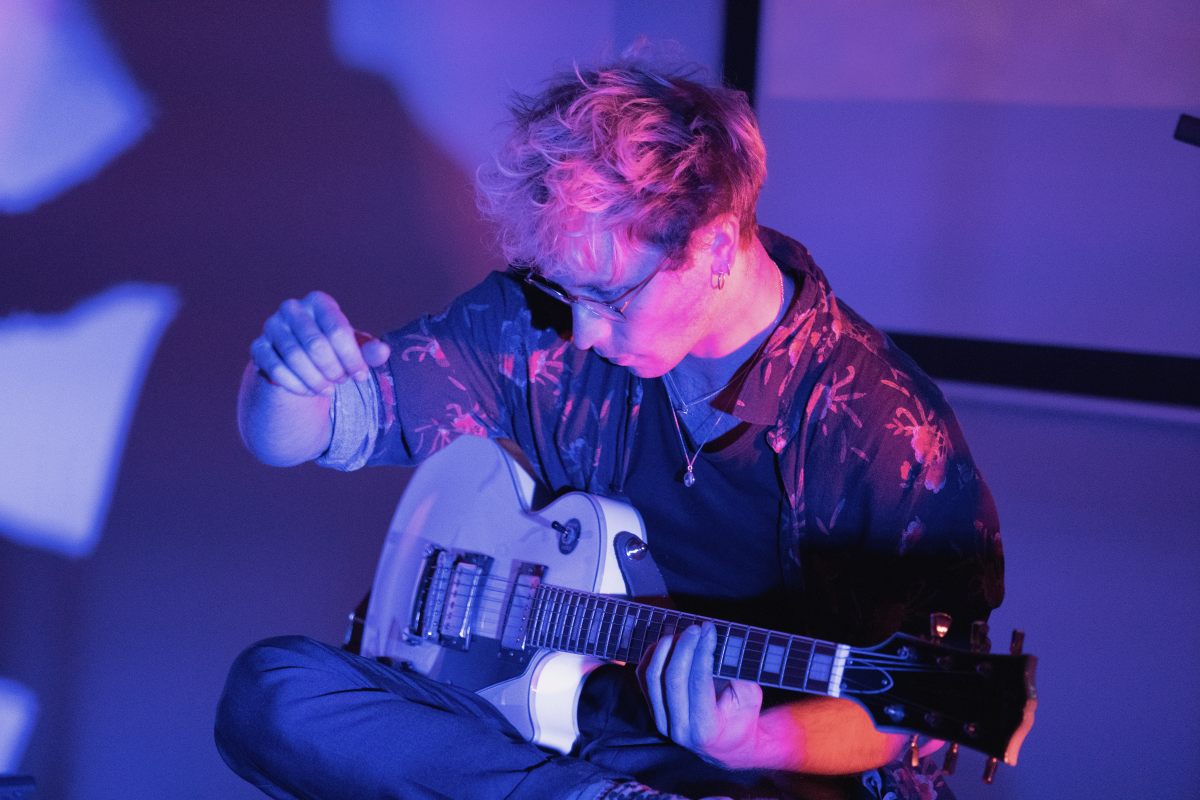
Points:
(609, 310)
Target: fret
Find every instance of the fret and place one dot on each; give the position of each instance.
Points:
(621, 625)
(641, 627)
(774, 658)
(572, 622)
(796, 664)
(670, 624)
(547, 623)
(545, 616)
(610, 618)
(562, 621)
(579, 630)
(732, 652)
(550, 619)
(628, 620)
(535, 615)
(820, 666)
(752, 654)
(593, 629)
(654, 630)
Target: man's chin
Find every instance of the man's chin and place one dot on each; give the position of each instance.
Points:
(648, 371)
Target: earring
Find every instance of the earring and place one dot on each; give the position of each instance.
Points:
(718, 280)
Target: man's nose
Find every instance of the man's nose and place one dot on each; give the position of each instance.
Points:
(588, 329)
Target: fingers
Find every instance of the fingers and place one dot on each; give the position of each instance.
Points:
(701, 690)
(308, 346)
(678, 682)
(652, 682)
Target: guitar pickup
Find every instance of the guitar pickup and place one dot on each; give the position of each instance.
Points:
(447, 597)
(526, 578)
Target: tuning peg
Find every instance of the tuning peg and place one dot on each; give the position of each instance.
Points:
(1018, 642)
(989, 769)
(914, 752)
(939, 626)
(951, 759)
(980, 643)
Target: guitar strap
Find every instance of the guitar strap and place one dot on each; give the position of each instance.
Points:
(642, 578)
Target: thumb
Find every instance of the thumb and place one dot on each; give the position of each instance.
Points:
(374, 352)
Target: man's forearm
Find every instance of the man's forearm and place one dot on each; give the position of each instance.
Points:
(823, 736)
(279, 427)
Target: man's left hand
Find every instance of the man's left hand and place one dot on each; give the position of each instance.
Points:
(722, 725)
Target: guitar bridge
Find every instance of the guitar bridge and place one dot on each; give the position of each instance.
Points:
(447, 598)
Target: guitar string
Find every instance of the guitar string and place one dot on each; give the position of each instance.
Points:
(568, 634)
(563, 604)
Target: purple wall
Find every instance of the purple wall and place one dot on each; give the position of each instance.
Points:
(271, 169)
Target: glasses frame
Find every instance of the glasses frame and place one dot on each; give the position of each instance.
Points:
(606, 310)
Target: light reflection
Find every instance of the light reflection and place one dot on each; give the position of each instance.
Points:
(67, 104)
(71, 383)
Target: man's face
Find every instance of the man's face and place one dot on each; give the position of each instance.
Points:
(669, 317)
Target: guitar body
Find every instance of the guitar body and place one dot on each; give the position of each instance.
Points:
(473, 498)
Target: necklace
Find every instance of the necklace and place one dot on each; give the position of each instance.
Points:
(676, 396)
(689, 477)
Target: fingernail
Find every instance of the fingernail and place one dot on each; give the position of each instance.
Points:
(327, 391)
(360, 376)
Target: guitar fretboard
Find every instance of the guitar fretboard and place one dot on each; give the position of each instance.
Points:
(621, 630)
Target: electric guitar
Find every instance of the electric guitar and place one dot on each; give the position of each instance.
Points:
(476, 588)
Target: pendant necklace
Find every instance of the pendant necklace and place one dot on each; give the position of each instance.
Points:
(689, 477)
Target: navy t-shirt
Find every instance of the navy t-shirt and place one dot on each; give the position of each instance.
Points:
(718, 558)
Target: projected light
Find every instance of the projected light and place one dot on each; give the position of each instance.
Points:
(70, 385)
(67, 105)
(454, 69)
(18, 710)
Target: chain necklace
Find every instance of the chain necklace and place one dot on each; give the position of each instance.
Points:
(676, 396)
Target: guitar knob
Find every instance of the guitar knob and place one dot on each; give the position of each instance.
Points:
(980, 643)
(939, 626)
(951, 759)
(1018, 642)
(914, 752)
(989, 769)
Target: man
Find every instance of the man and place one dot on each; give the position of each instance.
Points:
(794, 470)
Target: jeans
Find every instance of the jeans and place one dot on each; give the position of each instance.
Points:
(300, 719)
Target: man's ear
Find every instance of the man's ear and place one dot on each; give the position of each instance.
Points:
(723, 244)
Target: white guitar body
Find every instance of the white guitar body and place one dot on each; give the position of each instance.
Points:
(474, 480)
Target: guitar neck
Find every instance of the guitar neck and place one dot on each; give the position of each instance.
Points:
(621, 630)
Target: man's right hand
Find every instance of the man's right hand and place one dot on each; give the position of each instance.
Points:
(308, 346)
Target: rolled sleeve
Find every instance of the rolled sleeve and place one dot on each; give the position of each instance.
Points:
(354, 414)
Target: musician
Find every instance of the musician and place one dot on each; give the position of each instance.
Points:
(651, 343)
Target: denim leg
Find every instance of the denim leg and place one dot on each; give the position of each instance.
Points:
(301, 719)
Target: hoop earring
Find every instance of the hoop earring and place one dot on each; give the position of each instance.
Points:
(718, 280)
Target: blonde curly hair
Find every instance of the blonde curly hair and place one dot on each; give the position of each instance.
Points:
(624, 157)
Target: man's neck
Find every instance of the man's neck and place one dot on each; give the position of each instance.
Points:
(751, 302)
(752, 315)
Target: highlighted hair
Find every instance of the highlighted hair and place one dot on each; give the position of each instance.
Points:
(618, 159)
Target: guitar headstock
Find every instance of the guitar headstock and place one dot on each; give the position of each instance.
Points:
(980, 700)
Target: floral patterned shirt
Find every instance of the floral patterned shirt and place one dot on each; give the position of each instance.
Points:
(885, 519)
